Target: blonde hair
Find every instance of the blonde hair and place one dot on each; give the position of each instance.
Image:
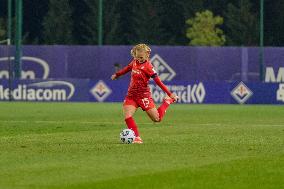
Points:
(140, 46)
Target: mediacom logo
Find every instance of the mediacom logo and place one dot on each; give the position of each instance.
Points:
(27, 74)
(41, 91)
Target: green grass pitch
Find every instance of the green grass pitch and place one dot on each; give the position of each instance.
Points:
(76, 145)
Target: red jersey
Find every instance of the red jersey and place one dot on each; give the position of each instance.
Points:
(140, 76)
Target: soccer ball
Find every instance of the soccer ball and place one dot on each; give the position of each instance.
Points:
(127, 136)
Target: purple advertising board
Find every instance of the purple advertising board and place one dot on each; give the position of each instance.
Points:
(173, 63)
(45, 90)
(85, 90)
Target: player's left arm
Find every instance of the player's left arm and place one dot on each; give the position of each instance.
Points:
(158, 81)
(153, 74)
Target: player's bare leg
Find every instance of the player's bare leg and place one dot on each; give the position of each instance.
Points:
(157, 115)
(129, 111)
(153, 114)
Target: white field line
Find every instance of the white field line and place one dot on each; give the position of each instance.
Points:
(69, 121)
(122, 122)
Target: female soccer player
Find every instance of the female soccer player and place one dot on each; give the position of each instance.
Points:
(139, 94)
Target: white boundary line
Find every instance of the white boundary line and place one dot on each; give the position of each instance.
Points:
(109, 122)
(73, 121)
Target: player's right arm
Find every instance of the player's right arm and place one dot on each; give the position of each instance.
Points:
(121, 72)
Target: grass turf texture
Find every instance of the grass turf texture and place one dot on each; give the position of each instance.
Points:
(76, 145)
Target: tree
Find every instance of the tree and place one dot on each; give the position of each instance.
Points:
(125, 24)
(191, 7)
(273, 23)
(2, 29)
(89, 23)
(58, 23)
(203, 30)
(147, 24)
(33, 20)
(241, 24)
(112, 18)
(172, 22)
(112, 31)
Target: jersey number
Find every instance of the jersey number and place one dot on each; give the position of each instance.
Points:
(146, 102)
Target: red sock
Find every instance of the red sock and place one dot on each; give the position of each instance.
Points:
(132, 125)
(162, 110)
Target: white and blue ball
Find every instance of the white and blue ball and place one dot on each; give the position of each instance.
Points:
(127, 136)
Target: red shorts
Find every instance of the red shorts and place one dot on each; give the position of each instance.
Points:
(145, 103)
